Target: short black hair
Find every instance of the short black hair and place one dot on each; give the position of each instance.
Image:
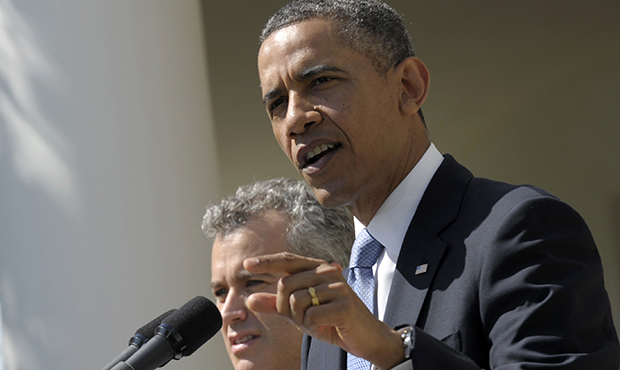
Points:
(370, 27)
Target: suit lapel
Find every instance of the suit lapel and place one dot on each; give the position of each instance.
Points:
(321, 355)
(409, 290)
(422, 246)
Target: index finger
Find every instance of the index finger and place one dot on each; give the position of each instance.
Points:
(285, 262)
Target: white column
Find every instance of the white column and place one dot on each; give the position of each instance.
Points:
(107, 160)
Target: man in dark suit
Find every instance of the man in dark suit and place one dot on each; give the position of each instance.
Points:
(465, 273)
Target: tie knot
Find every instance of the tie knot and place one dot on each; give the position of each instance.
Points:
(365, 251)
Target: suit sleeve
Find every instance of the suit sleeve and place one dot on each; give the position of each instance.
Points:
(542, 299)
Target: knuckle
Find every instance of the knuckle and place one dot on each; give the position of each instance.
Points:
(288, 256)
(284, 283)
(281, 287)
(328, 270)
(295, 298)
(310, 320)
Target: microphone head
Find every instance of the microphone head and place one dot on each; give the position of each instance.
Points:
(196, 322)
(148, 330)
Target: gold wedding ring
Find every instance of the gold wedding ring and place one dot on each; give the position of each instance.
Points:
(315, 300)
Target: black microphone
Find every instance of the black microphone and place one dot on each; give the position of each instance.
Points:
(179, 335)
(142, 336)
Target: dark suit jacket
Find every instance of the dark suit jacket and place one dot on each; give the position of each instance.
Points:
(514, 281)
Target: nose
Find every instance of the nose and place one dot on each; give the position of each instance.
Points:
(233, 309)
(301, 114)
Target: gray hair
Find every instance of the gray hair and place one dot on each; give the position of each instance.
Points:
(314, 231)
(370, 27)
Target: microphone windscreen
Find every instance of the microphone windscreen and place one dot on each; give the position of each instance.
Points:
(196, 321)
(148, 330)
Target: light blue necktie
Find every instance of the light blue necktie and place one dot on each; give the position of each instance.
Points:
(364, 254)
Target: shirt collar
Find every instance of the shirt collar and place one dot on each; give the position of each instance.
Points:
(389, 225)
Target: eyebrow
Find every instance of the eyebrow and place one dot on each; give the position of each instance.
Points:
(270, 95)
(305, 74)
(315, 70)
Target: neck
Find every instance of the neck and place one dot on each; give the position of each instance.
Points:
(368, 203)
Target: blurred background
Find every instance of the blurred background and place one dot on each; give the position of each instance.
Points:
(121, 120)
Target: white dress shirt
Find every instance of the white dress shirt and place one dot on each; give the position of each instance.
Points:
(389, 225)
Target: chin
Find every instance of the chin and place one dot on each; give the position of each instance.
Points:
(247, 365)
(329, 198)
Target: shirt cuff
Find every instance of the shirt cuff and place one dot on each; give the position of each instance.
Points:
(407, 365)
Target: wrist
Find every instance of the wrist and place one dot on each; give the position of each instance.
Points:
(406, 335)
(394, 354)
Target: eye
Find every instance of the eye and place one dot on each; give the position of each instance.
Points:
(251, 283)
(275, 104)
(322, 80)
(220, 293)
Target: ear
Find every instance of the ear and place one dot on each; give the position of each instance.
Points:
(415, 81)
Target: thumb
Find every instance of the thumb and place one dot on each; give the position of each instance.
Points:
(262, 302)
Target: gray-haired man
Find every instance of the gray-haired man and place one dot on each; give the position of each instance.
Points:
(273, 216)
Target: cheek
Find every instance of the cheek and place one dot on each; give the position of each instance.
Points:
(225, 338)
(282, 331)
(224, 325)
(282, 139)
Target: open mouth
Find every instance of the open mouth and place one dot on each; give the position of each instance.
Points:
(319, 152)
(245, 339)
